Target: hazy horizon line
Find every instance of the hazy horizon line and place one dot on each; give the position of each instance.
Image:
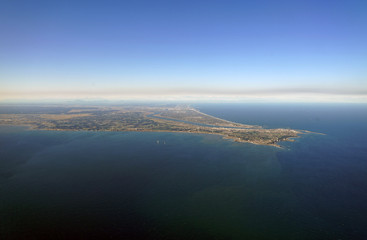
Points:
(194, 94)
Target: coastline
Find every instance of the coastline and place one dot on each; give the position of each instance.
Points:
(151, 119)
(223, 136)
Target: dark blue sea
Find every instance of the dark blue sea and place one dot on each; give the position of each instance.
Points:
(135, 185)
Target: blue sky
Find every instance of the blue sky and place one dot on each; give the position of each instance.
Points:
(237, 50)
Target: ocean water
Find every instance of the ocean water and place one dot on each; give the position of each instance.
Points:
(133, 185)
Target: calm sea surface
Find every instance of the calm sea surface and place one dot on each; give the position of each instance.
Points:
(132, 185)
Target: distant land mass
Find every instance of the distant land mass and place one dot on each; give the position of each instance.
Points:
(168, 118)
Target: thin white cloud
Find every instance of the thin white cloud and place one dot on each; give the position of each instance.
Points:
(277, 94)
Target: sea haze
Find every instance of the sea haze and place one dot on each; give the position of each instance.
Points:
(141, 185)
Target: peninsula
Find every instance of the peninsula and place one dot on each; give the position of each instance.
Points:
(165, 118)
